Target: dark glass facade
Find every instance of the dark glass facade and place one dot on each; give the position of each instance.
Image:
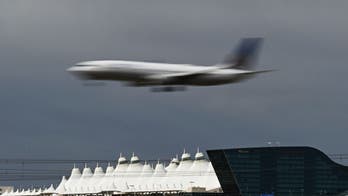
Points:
(278, 171)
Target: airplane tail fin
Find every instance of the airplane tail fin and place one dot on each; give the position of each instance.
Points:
(245, 55)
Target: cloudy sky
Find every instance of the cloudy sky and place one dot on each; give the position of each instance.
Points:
(47, 113)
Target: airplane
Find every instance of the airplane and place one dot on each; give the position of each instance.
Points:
(165, 77)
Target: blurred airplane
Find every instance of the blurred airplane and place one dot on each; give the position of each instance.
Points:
(236, 67)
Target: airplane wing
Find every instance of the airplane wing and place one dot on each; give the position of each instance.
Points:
(166, 78)
(188, 75)
(258, 71)
(174, 75)
(181, 75)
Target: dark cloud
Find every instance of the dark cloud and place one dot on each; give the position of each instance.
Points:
(47, 113)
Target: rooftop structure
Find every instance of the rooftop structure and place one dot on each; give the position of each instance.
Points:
(271, 171)
(134, 176)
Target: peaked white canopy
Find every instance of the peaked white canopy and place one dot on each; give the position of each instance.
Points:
(49, 190)
(61, 187)
(134, 176)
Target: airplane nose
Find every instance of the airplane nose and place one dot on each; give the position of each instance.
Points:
(74, 70)
(77, 71)
(70, 69)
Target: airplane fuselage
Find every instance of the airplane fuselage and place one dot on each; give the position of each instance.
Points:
(144, 73)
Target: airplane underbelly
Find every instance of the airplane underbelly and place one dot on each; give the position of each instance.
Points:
(207, 80)
(123, 75)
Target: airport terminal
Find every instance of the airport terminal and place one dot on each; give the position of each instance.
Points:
(283, 171)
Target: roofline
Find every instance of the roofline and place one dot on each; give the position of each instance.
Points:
(286, 147)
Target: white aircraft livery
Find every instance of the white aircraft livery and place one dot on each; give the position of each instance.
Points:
(236, 67)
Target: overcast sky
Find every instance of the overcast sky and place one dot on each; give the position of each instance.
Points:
(47, 113)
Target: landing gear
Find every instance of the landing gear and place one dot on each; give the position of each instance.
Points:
(168, 89)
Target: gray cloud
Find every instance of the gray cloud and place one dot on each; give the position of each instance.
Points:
(47, 113)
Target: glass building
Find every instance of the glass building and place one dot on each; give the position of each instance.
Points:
(278, 171)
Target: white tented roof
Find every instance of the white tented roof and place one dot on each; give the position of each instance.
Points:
(134, 176)
(198, 170)
(173, 164)
(61, 187)
(39, 191)
(49, 190)
(82, 183)
(132, 173)
(107, 181)
(145, 176)
(182, 172)
(169, 181)
(157, 177)
(94, 185)
(212, 181)
(120, 174)
(71, 183)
